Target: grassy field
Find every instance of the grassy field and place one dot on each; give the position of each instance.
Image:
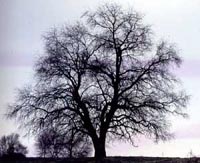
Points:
(108, 160)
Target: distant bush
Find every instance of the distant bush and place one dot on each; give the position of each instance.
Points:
(52, 143)
(10, 146)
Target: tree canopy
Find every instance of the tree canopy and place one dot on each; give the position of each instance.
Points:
(51, 143)
(10, 145)
(106, 78)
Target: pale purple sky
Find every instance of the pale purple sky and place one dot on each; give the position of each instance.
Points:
(23, 22)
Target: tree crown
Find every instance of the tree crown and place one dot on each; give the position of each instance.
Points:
(106, 78)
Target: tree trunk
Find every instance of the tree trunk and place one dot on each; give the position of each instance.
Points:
(100, 151)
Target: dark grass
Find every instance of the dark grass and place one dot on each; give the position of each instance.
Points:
(106, 160)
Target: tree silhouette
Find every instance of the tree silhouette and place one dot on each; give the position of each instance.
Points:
(106, 78)
(10, 146)
(51, 143)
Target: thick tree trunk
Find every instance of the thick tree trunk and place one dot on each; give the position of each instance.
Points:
(100, 151)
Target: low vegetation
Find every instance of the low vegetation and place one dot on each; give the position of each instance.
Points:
(110, 160)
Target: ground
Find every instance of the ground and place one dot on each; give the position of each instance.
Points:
(108, 160)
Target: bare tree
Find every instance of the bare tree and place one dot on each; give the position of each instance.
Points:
(106, 78)
(50, 143)
(78, 145)
(10, 145)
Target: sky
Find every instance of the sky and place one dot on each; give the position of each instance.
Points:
(23, 22)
